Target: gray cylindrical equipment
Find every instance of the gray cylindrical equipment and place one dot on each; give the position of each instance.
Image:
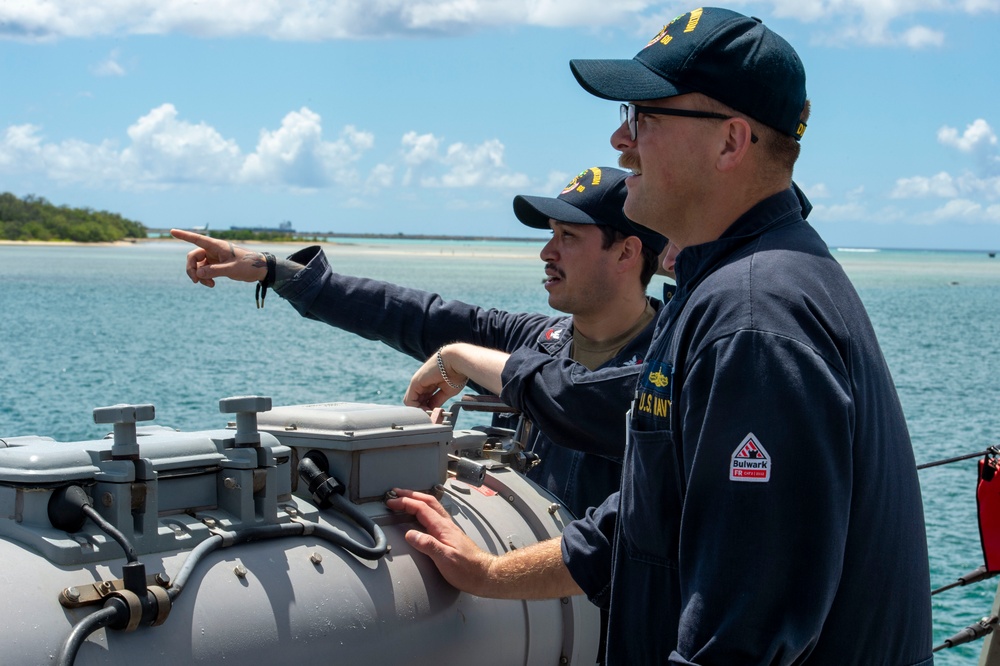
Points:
(295, 599)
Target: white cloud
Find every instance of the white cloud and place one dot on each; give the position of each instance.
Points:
(919, 37)
(109, 66)
(167, 150)
(555, 182)
(381, 177)
(846, 212)
(298, 19)
(940, 185)
(460, 166)
(296, 154)
(978, 140)
(873, 22)
(817, 191)
(946, 186)
(867, 21)
(961, 210)
(419, 148)
(23, 149)
(164, 150)
(978, 135)
(856, 209)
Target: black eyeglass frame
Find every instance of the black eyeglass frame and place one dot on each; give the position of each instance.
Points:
(629, 114)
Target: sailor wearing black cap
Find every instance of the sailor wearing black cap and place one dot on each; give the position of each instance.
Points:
(770, 511)
(573, 375)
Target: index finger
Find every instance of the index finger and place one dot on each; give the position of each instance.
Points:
(205, 242)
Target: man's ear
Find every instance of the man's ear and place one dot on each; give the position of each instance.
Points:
(630, 252)
(737, 141)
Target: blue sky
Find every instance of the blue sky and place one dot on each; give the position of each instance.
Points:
(425, 116)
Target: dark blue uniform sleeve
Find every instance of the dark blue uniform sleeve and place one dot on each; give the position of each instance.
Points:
(414, 322)
(587, 550)
(578, 408)
(760, 560)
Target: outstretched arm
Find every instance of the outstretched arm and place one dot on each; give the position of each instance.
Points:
(213, 258)
(535, 572)
(462, 362)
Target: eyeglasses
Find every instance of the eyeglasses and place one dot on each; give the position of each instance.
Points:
(630, 114)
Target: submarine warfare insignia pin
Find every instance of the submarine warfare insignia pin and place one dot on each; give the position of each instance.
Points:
(653, 392)
(750, 461)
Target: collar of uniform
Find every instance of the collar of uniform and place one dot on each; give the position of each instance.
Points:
(556, 337)
(773, 212)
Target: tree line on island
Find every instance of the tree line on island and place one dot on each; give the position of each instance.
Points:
(35, 218)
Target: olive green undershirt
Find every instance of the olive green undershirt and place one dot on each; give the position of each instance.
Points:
(593, 355)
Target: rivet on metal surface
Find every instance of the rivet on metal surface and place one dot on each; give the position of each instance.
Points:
(510, 498)
(230, 483)
(240, 571)
(553, 508)
(104, 587)
(107, 499)
(315, 558)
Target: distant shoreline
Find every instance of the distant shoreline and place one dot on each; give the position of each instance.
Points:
(299, 239)
(309, 235)
(335, 239)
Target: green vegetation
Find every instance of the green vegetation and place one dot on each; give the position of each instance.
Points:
(251, 235)
(34, 218)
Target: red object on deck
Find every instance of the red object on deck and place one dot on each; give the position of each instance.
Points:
(988, 506)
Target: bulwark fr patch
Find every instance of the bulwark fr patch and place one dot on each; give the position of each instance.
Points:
(750, 461)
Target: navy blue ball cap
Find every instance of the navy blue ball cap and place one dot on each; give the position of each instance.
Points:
(596, 196)
(730, 57)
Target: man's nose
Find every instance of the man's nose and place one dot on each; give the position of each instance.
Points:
(548, 252)
(621, 138)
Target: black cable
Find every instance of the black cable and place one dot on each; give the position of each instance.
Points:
(108, 615)
(994, 450)
(342, 505)
(261, 532)
(81, 630)
(207, 546)
(112, 532)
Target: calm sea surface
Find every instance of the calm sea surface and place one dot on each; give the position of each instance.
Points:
(85, 327)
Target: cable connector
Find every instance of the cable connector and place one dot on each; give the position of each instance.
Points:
(971, 633)
(974, 576)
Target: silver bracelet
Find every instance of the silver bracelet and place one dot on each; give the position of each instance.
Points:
(444, 375)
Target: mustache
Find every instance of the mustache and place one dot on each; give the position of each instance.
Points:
(629, 161)
(560, 273)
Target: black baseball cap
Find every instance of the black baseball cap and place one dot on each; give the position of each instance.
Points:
(732, 58)
(596, 196)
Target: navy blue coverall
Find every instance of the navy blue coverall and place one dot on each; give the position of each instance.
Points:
(770, 511)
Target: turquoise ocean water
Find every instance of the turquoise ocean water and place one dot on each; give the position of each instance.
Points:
(85, 327)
